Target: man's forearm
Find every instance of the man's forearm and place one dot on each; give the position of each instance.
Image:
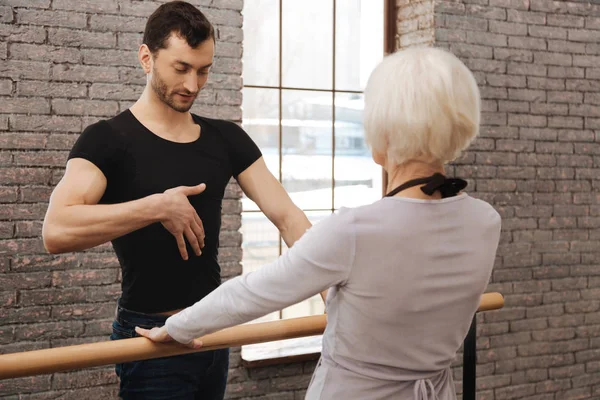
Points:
(293, 227)
(79, 227)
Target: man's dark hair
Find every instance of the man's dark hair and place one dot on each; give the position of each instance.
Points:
(180, 18)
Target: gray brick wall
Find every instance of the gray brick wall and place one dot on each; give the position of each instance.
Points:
(66, 63)
(537, 161)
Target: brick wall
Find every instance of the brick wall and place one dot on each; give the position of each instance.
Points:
(63, 65)
(537, 161)
(67, 63)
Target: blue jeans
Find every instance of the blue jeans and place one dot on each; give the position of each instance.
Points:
(196, 376)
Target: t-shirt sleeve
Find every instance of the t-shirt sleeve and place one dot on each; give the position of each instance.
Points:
(100, 145)
(242, 149)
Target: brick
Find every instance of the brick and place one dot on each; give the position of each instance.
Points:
(130, 41)
(487, 39)
(23, 315)
(550, 109)
(86, 277)
(548, 32)
(28, 229)
(592, 48)
(18, 33)
(526, 17)
(553, 58)
(45, 123)
(109, 57)
(49, 330)
(514, 392)
(508, 28)
(526, 43)
(6, 14)
(411, 38)
(571, 21)
(83, 311)
(565, 122)
(6, 88)
(117, 23)
(81, 379)
(471, 51)
(23, 51)
(84, 73)
(136, 8)
(18, 69)
(107, 91)
(553, 385)
(29, 384)
(510, 81)
(566, 72)
(527, 94)
(586, 61)
(493, 93)
(592, 98)
(582, 35)
(485, 12)
(456, 22)
(78, 38)
(527, 120)
(225, 17)
(512, 55)
(50, 89)
(24, 105)
(564, 97)
(105, 6)
(84, 107)
(516, 68)
(51, 18)
(511, 4)
(516, 146)
(563, 46)
(582, 85)
(592, 123)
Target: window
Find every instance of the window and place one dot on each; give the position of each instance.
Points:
(306, 64)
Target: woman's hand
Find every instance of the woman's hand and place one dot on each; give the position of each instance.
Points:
(161, 335)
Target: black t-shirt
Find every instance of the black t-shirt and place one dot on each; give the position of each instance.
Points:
(138, 163)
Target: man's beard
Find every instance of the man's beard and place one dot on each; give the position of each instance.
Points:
(160, 88)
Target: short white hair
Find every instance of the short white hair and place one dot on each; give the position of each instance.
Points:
(421, 104)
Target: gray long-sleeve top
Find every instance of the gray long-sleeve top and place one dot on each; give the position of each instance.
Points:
(406, 276)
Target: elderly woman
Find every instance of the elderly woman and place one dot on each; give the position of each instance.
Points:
(405, 273)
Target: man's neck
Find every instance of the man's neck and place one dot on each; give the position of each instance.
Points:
(149, 108)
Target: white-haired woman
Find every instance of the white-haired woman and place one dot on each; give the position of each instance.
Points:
(405, 273)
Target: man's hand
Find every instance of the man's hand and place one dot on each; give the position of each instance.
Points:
(181, 218)
(160, 335)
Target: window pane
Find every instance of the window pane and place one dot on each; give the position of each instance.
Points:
(307, 54)
(359, 42)
(306, 148)
(260, 246)
(314, 305)
(261, 121)
(261, 42)
(358, 179)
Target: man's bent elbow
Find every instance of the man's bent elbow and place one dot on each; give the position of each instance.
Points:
(52, 240)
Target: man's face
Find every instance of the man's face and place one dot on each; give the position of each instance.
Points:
(179, 72)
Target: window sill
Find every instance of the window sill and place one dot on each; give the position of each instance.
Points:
(282, 352)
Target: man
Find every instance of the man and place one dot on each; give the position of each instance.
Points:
(152, 181)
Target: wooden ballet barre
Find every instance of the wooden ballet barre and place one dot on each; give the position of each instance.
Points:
(89, 355)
